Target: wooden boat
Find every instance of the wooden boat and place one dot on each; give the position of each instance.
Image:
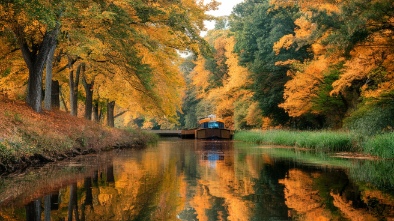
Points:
(210, 127)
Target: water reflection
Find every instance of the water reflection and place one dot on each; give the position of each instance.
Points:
(202, 180)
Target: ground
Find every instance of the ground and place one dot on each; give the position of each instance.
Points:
(28, 138)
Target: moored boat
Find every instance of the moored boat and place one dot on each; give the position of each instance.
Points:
(210, 127)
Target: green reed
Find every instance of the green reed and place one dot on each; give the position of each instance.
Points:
(319, 140)
(380, 145)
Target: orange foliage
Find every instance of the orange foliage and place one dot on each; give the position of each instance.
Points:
(383, 198)
(302, 88)
(301, 196)
(349, 211)
(302, 35)
(235, 83)
(369, 63)
(200, 77)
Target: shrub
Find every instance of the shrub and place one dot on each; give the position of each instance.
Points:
(371, 118)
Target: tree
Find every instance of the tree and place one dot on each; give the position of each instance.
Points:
(223, 88)
(257, 26)
(35, 25)
(48, 79)
(136, 41)
(356, 39)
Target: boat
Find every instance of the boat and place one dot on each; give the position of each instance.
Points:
(210, 127)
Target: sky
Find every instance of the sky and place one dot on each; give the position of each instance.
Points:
(224, 9)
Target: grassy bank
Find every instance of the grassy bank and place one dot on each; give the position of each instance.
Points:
(28, 138)
(322, 140)
(329, 141)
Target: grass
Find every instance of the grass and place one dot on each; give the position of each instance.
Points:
(319, 140)
(381, 146)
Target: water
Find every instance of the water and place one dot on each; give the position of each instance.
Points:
(202, 180)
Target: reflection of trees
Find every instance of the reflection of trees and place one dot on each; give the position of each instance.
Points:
(73, 204)
(88, 204)
(161, 185)
(269, 196)
(330, 195)
(347, 208)
(47, 207)
(302, 197)
(240, 187)
(33, 211)
(376, 185)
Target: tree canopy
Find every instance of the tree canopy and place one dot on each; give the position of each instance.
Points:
(128, 50)
(310, 64)
(276, 63)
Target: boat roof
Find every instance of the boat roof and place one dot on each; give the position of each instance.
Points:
(211, 118)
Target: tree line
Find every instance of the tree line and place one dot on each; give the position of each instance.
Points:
(300, 64)
(99, 56)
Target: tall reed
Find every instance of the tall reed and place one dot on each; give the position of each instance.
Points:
(319, 140)
(380, 145)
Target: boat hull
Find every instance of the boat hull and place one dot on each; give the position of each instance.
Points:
(213, 133)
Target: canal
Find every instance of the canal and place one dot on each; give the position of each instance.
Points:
(202, 180)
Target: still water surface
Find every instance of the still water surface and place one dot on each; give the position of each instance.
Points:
(202, 180)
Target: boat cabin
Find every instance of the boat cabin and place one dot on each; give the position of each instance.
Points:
(211, 122)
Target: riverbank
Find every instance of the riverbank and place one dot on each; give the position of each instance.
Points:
(28, 138)
(381, 146)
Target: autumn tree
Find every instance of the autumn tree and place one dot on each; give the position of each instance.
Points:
(355, 38)
(257, 26)
(35, 25)
(133, 42)
(221, 86)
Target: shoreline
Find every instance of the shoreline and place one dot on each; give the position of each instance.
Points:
(29, 139)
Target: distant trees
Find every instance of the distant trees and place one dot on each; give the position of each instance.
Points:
(217, 84)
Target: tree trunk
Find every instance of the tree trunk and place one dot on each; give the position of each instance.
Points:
(35, 59)
(89, 97)
(96, 117)
(55, 97)
(63, 100)
(48, 79)
(74, 87)
(110, 113)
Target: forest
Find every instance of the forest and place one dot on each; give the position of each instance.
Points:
(298, 65)
(100, 59)
(323, 64)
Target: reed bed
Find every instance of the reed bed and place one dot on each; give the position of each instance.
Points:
(380, 145)
(319, 140)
